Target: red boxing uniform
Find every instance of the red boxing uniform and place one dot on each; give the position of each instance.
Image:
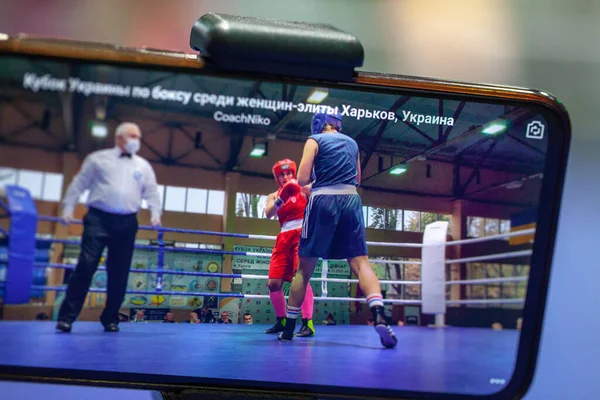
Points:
(284, 260)
(290, 205)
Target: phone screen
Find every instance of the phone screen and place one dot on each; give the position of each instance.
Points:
(454, 190)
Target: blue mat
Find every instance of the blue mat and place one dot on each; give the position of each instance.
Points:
(459, 360)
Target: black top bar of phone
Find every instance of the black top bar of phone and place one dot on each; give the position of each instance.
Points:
(256, 45)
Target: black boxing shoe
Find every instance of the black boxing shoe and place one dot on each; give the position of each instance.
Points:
(111, 328)
(278, 327)
(288, 332)
(382, 326)
(63, 326)
(307, 329)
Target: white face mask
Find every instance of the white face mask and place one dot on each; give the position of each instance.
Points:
(132, 146)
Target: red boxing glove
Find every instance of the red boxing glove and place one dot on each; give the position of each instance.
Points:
(288, 190)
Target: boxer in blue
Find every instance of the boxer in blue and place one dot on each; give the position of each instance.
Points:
(333, 226)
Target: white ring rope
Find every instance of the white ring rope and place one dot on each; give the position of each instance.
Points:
(343, 299)
(488, 280)
(340, 280)
(512, 254)
(492, 237)
(522, 232)
(484, 301)
(395, 262)
(439, 317)
(391, 244)
(381, 244)
(372, 261)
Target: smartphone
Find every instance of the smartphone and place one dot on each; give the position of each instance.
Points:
(482, 164)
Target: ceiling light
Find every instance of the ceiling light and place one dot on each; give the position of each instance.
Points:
(317, 96)
(494, 128)
(258, 150)
(398, 169)
(98, 130)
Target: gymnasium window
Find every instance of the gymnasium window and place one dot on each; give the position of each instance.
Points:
(198, 246)
(480, 227)
(501, 290)
(190, 200)
(400, 220)
(249, 205)
(401, 272)
(45, 186)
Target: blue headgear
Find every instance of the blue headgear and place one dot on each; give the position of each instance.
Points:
(320, 119)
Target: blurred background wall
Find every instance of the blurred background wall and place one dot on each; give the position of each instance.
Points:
(546, 44)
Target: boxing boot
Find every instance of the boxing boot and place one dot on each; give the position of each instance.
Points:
(307, 329)
(382, 326)
(278, 327)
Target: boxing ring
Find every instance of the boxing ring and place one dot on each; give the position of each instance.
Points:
(433, 358)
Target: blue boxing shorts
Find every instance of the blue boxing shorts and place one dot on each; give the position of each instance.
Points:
(333, 226)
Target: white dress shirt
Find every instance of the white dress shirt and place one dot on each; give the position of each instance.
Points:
(117, 184)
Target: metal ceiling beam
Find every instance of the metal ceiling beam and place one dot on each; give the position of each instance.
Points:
(461, 153)
(456, 179)
(365, 130)
(433, 149)
(236, 141)
(397, 104)
(513, 116)
(525, 178)
(201, 147)
(236, 137)
(455, 117)
(524, 143)
(475, 171)
(420, 132)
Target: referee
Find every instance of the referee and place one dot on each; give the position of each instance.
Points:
(117, 180)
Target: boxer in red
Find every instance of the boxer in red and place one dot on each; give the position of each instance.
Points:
(288, 203)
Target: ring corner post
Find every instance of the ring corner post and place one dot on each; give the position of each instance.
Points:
(324, 272)
(433, 272)
(160, 262)
(21, 246)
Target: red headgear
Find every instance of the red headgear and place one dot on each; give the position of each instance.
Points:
(281, 166)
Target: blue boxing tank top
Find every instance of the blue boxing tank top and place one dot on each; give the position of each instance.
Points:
(336, 160)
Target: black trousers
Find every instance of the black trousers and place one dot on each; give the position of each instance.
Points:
(101, 230)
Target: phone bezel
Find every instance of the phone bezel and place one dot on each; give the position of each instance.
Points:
(553, 110)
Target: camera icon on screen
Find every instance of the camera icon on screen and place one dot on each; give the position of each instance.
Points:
(535, 130)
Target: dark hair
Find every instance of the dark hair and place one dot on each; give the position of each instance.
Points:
(247, 314)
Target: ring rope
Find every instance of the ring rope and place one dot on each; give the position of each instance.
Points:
(492, 237)
(512, 254)
(226, 234)
(338, 280)
(489, 280)
(145, 271)
(372, 261)
(485, 301)
(269, 237)
(146, 292)
(342, 299)
(395, 262)
(158, 248)
(161, 248)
